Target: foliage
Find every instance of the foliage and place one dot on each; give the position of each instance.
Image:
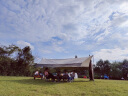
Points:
(15, 61)
(102, 67)
(115, 70)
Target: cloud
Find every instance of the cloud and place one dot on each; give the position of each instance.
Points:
(65, 26)
(52, 47)
(53, 20)
(111, 54)
(65, 18)
(24, 44)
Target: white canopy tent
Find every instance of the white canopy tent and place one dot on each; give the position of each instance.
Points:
(71, 62)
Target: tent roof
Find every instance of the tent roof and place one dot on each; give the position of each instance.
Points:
(71, 62)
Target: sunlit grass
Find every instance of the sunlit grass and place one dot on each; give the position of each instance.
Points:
(26, 86)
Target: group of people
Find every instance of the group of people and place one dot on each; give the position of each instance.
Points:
(66, 76)
(69, 76)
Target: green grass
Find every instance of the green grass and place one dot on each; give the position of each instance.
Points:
(26, 86)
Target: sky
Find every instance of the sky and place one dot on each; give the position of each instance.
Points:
(57, 29)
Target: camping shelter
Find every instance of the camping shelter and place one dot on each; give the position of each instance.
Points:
(84, 62)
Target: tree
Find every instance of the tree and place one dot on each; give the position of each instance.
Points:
(115, 71)
(99, 67)
(107, 67)
(6, 61)
(102, 67)
(124, 68)
(15, 61)
(24, 60)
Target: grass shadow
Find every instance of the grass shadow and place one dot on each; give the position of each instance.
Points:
(40, 82)
(81, 81)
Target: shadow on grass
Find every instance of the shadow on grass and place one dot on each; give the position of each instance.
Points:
(82, 81)
(40, 82)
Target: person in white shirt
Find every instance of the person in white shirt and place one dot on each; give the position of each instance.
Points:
(72, 75)
(69, 77)
(36, 73)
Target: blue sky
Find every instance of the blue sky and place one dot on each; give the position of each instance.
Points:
(65, 28)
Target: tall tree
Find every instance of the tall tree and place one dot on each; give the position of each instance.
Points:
(99, 67)
(24, 59)
(15, 61)
(115, 71)
(107, 67)
(5, 59)
(102, 67)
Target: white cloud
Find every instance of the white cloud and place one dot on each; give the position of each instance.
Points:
(49, 19)
(52, 48)
(45, 51)
(24, 44)
(125, 24)
(126, 33)
(111, 54)
(83, 24)
(40, 18)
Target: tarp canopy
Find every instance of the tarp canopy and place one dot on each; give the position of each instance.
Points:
(71, 62)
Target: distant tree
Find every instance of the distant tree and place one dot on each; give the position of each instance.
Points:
(115, 71)
(102, 67)
(107, 67)
(124, 68)
(99, 67)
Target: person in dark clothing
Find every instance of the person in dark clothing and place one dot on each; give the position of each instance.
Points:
(41, 74)
(48, 75)
(59, 77)
(65, 75)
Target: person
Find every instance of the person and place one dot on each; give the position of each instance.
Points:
(105, 76)
(101, 77)
(41, 75)
(122, 78)
(59, 77)
(76, 76)
(36, 73)
(72, 75)
(48, 75)
(65, 75)
(46, 72)
(69, 77)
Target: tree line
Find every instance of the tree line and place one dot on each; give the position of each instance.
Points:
(15, 61)
(115, 70)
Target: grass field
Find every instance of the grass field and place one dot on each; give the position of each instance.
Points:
(26, 86)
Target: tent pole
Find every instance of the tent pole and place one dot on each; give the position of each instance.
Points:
(91, 74)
